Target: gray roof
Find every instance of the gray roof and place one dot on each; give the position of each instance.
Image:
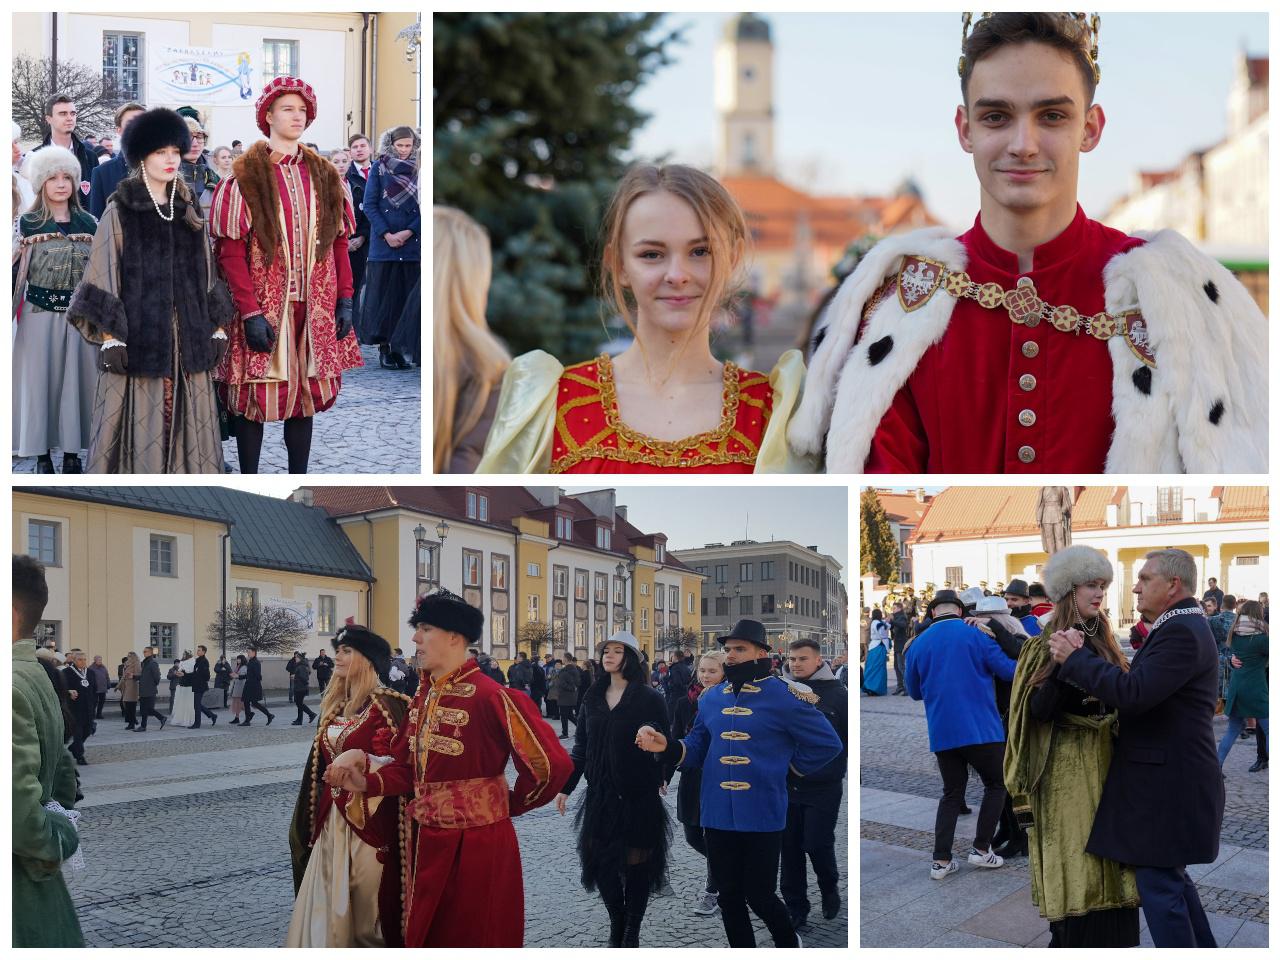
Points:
(266, 532)
(747, 26)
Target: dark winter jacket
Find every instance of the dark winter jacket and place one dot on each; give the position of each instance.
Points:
(833, 703)
(165, 270)
(386, 218)
(198, 678)
(564, 685)
(689, 792)
(253, 681)
(678, 679)
(149, 682)
(899, 626)
(222, 671)
(520, 675)
(106, 177)
(323, 667)
(301, 682)
(357, 185)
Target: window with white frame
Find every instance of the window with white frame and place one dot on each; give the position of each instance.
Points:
(44, 542)
(162, 554)
(247, 595)
(472, 507)
(601, 588)
(599, 630)
(497, 572)
(955, 577)
(533, 615)
(427, 562)
(644, 588)
(498, 628)
(644, 618)
(604, 538)
(472, 572)
(164, 637)
(660, 597)
(279, 59)
(619, 590)
(660, 551)
(533, 569)
(580, 584)
(579, 633)
(327, 620)
(561, 581)
(122, 66)
(484, 507)
(691, 601)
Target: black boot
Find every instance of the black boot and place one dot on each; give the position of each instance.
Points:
(44, 464)
(384, 357)
(71, 463)
(617, 924)
(631, 932)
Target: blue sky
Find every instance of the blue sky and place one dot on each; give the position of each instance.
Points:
(864, 100)
(696, 516)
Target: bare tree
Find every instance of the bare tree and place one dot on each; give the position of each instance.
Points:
(266, 629)
(678, 638)
(95, 96)
(533, 634)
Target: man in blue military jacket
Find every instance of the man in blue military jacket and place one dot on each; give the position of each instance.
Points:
(1161, 805)
(749, 732)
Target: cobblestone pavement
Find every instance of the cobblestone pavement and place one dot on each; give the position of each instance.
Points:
(375, 427)
(217, 860)
(900, 785)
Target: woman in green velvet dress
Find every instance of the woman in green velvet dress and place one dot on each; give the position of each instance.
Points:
(1056, 760)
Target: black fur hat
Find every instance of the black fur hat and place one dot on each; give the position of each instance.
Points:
(152, 131)
(448, 611)
(368, 644)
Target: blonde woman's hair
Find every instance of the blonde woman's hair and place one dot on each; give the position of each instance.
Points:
(715, 656)
(39, 213)
(346, 695)
(466, 353)
(1064, 617)
(723, 223)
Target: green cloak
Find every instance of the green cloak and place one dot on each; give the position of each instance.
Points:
(1055, 772)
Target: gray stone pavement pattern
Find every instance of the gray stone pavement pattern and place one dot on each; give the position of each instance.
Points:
(375, 427)
(902, 906)
(188, 829)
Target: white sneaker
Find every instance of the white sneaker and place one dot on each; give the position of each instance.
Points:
(989, 859)
(707, 906)
(938, 870)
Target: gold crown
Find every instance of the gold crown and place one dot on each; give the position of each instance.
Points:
(1089, 20)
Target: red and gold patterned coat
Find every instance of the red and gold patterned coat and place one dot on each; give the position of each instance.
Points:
(459, 847)
(251, 219)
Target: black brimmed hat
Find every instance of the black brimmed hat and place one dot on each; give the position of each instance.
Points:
(944, 596)
(369, 645)
(752, 631)
(1016, 588)
(151, 131)
(448, 611)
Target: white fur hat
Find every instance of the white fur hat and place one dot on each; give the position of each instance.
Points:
(44, 163)
(971, 596)
(991, 605)
(1073, 566)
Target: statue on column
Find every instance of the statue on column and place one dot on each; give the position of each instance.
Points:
(1053, 514)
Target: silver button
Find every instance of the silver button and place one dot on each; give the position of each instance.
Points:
(1030, 349)
(1027, 382)
(1026, 454)
(1027, 418)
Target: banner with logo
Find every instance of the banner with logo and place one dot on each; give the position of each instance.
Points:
(202, 75)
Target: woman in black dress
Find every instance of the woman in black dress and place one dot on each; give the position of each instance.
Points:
(624, 831)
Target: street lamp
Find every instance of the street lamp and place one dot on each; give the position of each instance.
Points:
(787, 607)
(426, 575)
(624, 572)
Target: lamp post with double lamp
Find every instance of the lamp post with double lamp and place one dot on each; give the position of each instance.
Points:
(787, 606)
(625, 572)
(728, 618)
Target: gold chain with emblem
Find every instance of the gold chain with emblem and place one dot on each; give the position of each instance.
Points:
(1022, 303)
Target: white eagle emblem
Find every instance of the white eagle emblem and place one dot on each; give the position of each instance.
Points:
(917, 281)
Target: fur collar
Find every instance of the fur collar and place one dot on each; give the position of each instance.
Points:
(257, 182)
(132, 193)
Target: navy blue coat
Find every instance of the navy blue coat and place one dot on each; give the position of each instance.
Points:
(1162, 801)
(384, 219)
(746, 743)
(102, 184)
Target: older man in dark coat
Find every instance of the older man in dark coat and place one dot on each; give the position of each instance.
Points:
(1162, 802)
(148, 688)
(198, 681)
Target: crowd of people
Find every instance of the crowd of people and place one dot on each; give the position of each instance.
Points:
(169, 294)
(1071, 731)
(402, 832)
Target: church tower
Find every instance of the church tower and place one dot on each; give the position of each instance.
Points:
(744, 98)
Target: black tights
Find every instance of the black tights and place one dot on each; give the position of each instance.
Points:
(297, 441)
(625, 892)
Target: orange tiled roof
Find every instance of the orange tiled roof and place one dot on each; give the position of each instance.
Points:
(1244, 503)
(961, 513)
(903, 506)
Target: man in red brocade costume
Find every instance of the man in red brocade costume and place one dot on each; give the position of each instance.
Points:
(281, 224)
(463, 884)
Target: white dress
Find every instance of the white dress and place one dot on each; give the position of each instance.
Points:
(337, 902)
(184, 707)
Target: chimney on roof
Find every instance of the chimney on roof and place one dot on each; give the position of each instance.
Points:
(622, 510)
(304, 496)
(602, 503)
(919, 494)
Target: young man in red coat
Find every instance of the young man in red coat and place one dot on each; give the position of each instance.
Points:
(1040, 341)
(463, 884)
(280, 225)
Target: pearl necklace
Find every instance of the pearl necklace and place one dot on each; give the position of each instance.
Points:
(1084, 627)
(173, 190)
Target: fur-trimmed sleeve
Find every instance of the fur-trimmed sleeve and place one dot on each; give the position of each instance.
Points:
(228, 213)
(96, 309)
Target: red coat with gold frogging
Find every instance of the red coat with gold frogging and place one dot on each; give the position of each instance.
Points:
(463, 883)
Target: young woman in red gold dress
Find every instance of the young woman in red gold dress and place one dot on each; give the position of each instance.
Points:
(346, 845)
(675, 249)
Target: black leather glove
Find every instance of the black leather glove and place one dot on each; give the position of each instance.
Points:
(342, 315)
(258, 334)
(114, 360)
(220, 345)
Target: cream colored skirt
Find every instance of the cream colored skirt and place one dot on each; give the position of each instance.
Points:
(337, 903)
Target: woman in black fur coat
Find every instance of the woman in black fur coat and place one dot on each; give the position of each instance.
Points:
(624, 832)
(153, 302)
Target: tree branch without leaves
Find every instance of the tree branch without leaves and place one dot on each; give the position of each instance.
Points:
(95, 96)
(271, 630)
